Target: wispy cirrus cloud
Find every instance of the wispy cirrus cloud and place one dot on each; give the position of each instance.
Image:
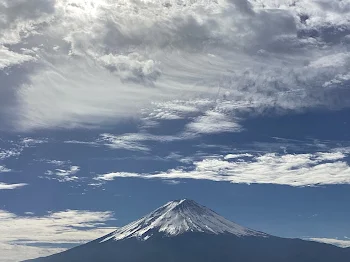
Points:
(135, 141)
(35, 236)
(211, 122)
(131, 141)
(283, 169)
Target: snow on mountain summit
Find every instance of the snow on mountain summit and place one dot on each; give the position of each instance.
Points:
(178, 217)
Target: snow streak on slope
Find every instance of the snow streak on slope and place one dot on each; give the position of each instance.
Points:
(178, 217)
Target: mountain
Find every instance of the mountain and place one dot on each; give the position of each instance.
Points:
(178, 217)
(183, 230)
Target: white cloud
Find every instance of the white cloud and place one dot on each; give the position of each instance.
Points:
(112, 176)
(4, 169)
(335, 242)
(63, 175)
(177, 109)
(102, 62)
(233, 156)
(71, 171)
(10, 153)
(65, 227)
(209, 123)
(344, 150)
(57, 162)
(8, 58)
(172, 182)
(17, 147)
(4, 186)
(13, 252)
(288, 169)
(28, 142)
(328, 61)
(213, 122)
(127, 141)
(330, 156)
(133, 141)
(81, 142)
(132, 67)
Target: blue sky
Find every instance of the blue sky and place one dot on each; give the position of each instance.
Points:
(110, 109)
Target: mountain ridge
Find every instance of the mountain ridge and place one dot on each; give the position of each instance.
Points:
(180, 216)
(184, 231)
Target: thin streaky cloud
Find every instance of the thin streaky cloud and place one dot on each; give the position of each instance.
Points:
(4, 186)
(296, 170)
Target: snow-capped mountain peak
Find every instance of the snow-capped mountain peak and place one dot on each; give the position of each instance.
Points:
(178, 217)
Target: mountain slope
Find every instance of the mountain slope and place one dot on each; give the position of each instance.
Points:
(183, 230)
(178, 217)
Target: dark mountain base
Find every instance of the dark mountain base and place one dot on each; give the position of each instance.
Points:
(192, 247)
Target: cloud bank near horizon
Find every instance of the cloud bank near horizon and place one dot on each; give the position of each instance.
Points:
(332, 241)
(35, 236)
